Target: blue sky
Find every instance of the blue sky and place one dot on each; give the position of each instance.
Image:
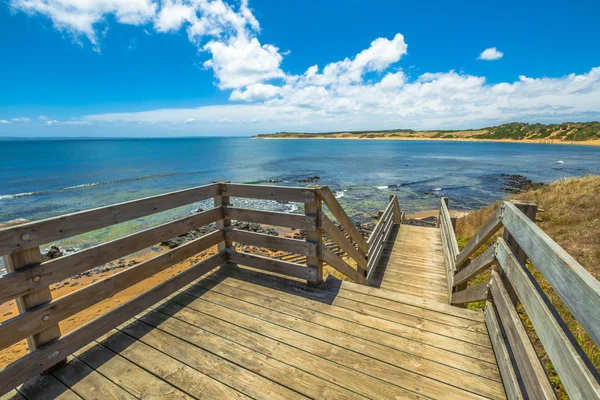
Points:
(217, 67)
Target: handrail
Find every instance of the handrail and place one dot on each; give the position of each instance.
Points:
(338, 212)
(512, 282)
(381, 233)
(449, 243)
(29, 277)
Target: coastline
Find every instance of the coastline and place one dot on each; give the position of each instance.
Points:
(594, 143)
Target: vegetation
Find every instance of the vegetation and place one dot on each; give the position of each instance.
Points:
(572, 218)
(565, 132)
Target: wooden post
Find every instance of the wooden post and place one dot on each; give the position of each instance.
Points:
(530, 210)
(397, 220)
(20, 260)
(224, 223)
(316, 236)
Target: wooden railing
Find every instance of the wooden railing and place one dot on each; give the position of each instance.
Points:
(511, 283)
(29, 276)
(391, 216)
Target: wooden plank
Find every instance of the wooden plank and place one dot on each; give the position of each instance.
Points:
(295, 221)
(52, 353)
(36, 233)
(332, 259)
(577, 288)
(338, 237)
(196, 348)
(13, 263)
(483, 261)
(169, 369)
(272, 242)
(426, 361)
(338, 212)
(89, 384)
(474, 293)
(270, 264)
(486, 231)
(38, 276)
(509, 375)
(286, 334)
(276, 193)
(534, 378)
(224, 223)
(374, 261)
(576, 372)
(130, 377)
(315, 237)
(47, 387)
(49, 314)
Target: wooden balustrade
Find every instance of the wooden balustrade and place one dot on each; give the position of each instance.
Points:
(29, 276)
(511, 283)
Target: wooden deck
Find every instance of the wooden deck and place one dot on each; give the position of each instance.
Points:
(413, 263)
(238, 333)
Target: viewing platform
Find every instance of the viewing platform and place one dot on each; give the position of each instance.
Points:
(241, 325)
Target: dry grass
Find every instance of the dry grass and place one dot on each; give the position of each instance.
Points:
(572, 218)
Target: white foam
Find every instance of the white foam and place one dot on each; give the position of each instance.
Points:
(339, 194)
(382, 187)
(560, 162)
(16, 195)
(437, 189)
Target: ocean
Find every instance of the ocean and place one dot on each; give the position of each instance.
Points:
(44, 178)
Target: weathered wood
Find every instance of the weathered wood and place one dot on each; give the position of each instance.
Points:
(277, 193)
(530, 369)
(338, 237)
(338, 212)
(530, 210)
(397, 212)
(486, 231)
(577, 288)
(474, 293)
(52, 353)
(332, 259)
(383, 219)
(39, 276)
(270, 264)
(445, 215)
(476, 266)
(220, 201)
(49, 314)
(570, 362)
(36, 233)
(14, 263)
(294, 221)
(272, 242)
(507, 371)
(374, 258)
(316, 238)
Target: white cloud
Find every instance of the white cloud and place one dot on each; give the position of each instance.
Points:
(52, 122)
(491, 54)
(255, 92)
(21, 119)
(3, 121)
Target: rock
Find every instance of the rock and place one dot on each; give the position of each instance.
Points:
(53, 252)
(427, 222)
(514, 183)
(197, 210)
(309, 179)
(276, 180)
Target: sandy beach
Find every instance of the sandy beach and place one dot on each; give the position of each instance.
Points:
(459, 139)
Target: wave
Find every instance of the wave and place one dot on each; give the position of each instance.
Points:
(382, 187)
(339, 194)
(88, 185)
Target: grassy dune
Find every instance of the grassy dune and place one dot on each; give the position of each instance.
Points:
(579, 132)
(572, 218)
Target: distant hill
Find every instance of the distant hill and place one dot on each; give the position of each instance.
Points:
(565, 132)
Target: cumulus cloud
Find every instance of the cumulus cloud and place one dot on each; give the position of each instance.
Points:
(491, 54)
(335, 96)
(3, 121)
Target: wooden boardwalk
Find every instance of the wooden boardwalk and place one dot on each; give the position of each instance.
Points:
(237, 333)
(413, 263)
